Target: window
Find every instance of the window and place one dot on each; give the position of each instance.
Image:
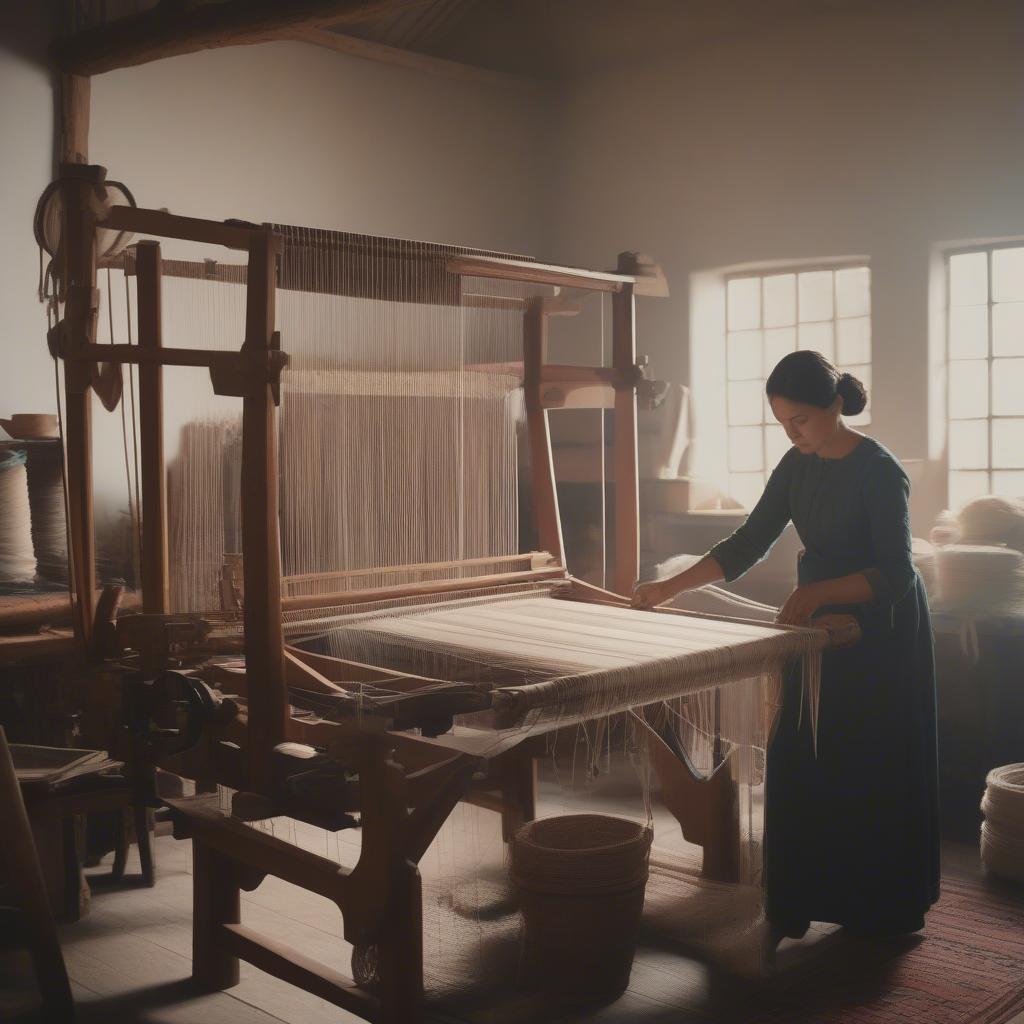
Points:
(985, 332)
(827, 309)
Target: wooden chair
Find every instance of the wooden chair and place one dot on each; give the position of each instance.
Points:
(19, 865)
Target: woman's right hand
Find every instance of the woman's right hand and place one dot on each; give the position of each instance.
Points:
(650, 595)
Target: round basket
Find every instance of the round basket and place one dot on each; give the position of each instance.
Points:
(1002, 832)
(580, 881)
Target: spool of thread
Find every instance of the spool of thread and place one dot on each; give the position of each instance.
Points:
(46, 497)
(17, 561)
(978, 580)
(993, 519)
(1002, 832)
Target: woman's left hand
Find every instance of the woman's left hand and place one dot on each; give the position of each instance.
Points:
(800, 605)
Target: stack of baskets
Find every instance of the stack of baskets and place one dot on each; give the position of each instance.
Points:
(580, 881)
(1002, 831)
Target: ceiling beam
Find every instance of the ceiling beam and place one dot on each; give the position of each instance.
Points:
(173, 28)
(368, 50)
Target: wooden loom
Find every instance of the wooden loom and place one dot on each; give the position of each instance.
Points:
(376, 766)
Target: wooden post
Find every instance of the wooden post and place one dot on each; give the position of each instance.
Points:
(261, 556)
(79, 245)
(401, 949)
(545, 496)
(215, 902)
(75, 92)
(155, 592)
(627, 498)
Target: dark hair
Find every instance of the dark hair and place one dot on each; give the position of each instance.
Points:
(808, 377)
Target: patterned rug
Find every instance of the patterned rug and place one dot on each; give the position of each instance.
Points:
(966, 967)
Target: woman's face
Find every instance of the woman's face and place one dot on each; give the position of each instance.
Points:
(808, 427)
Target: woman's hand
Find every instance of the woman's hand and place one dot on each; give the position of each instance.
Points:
(801, 605)
(650, 595)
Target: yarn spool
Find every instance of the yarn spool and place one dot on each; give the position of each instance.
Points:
(977, 580)
(17, 562)
(580, 880)
(46, 497)
(993, 520)
(1002, 832)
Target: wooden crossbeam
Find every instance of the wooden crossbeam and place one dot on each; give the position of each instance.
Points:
(169, 30)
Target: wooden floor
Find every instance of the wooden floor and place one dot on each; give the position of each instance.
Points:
(130, 960)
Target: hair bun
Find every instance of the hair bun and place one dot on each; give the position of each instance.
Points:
(853, 394)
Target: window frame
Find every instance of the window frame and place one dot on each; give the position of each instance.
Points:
(766, 270)
(988, 248)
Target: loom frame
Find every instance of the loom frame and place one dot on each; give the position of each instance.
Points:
(402, 805)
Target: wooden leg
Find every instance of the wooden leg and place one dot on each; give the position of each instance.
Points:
(77, 895)
(518, 791)
(121, 843)
(401, 951)
(142, 838)
(215, 902)
(20, 863)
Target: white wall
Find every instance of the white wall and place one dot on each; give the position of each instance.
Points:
(296, 134)
(882, 133)
(26, 166)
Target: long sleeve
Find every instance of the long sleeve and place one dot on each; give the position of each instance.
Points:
(887, 502)
(747, 545)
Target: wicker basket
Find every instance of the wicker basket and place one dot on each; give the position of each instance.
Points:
(1002, 831)
(580, 881)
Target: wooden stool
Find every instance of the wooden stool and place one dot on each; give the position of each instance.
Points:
(20, 866)
(56, 808)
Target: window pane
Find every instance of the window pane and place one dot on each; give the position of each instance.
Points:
(968, 444)
(745, 360)
(816, 295)
(746, 488)
(818, 337)
(863, 374)
(1008, 387)
(968, 279)
(1008, 275)
(776, 445)
(778, 343)
(1008, 483)
(853, 292)
(744, 303)
(964, 486)
(968, 332)
(968, 389)
(746, 449)
(1008, 329)
(780, 300)
(1007, 444)
(853, 341)
(745, 402)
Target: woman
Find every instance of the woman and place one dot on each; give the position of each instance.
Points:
(851, 831)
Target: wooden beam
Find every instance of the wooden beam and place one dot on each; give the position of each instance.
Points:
(155, 585)
(295, 968)
(538, 273)
(172, 29)
(366, 49)
(545, 495)
(79, 234)
(74, 119)
(624, 458)
(424, 589)
(264, 640)
(169, 225)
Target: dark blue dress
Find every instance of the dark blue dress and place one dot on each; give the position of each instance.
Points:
(851, 833)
